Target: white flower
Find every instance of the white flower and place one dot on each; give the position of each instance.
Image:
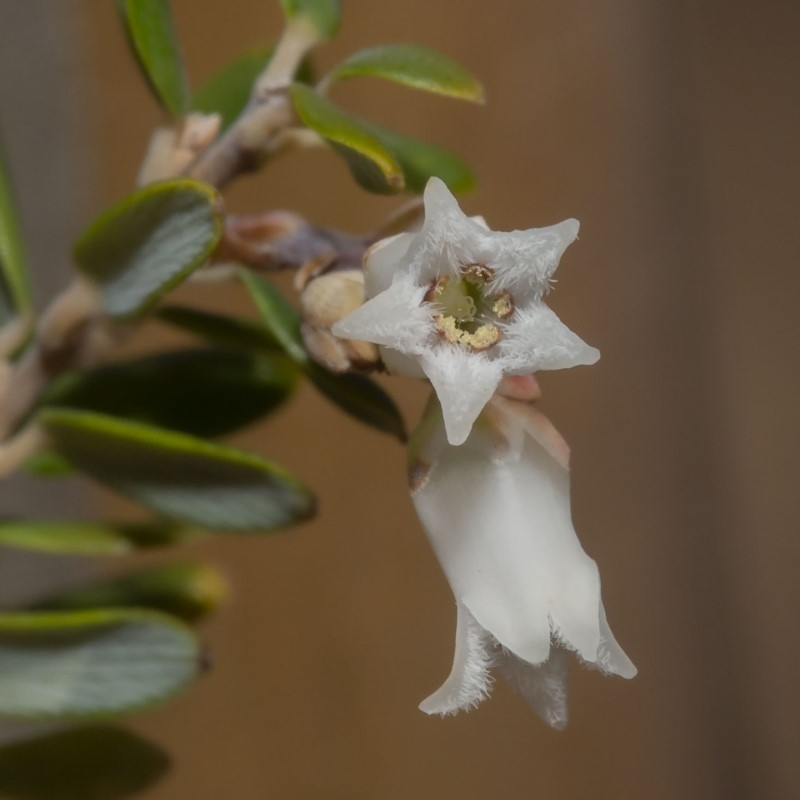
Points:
(462, 305)
(497, 513)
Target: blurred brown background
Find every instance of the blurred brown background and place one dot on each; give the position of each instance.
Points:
(670, 129)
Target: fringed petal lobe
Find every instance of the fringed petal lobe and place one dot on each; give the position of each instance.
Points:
(470, 680)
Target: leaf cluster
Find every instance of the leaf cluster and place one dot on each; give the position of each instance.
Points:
(142, 428)
(148, 428)
(382, 160)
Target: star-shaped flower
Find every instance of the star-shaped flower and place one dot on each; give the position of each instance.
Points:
(462, 305)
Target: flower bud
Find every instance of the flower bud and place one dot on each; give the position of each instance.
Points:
(325, 300)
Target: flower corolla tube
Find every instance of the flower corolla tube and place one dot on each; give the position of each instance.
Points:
(497, 513)
(463, 306)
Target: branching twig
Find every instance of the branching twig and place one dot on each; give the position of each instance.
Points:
(255, 133)
(71, 333)
(173, 149)
(74, 332)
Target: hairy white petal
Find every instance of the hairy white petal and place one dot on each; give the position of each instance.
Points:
(448, 237)
(440, 202)
(479, 220)
(464, 382)
(470, 680)
(524, 261)
(395, 318)
(611, 658)
(543, 687)
(537, 339)
(398, 363)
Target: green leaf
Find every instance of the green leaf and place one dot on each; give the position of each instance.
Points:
(151, 34)
(47, 464)
(179, 476)
(373, 165)
(225, 331)
(412, 65)
(97, 762)
(202, 392)
(420, 160)
(227, 92)
(359, 397)
(187, 591)
(323, 15)
(280, 319)
(80, 664)
(81, 538)
(15, 293)
(145, 245)
(354, 394)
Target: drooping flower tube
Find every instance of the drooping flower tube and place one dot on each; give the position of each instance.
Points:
(497, 513)
(462, 305)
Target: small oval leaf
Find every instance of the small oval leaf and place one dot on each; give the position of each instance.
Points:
(97, 762)
(220, 329)
(15, 293)
(373, 165)
(151, 33)
(145, 245)
(412, 65)
(422, 160)
(354, 394)
(47, 464)
(361, 398)
(202, 392)
(179, 476)
(188, 591)
(280, 319)
(73, 665)
(80, 538)
(323, 15)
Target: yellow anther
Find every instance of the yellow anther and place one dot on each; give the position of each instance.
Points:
(478, 274)
(503, 305)
(482, 338)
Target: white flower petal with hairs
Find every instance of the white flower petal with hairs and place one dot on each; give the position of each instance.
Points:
(462, 305)
(497, 513)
